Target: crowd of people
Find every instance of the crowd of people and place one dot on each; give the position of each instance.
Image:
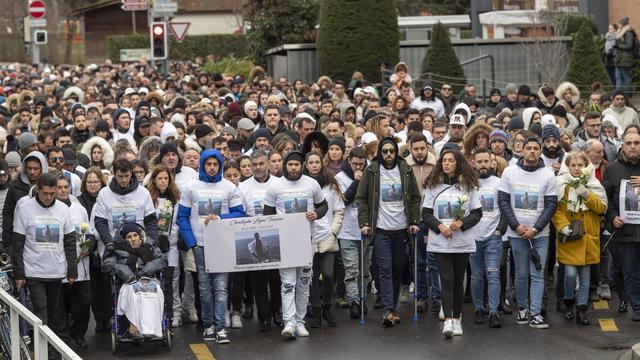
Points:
(116, 170)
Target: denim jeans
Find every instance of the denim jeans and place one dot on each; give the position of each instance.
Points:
(570, 273)
(525, 268)
(213, 293)
(389, 250)
(295, 293)
(351, 256)
(434, 276)
(623, 79)
(421, 259)
(629, 255)
(486, 260)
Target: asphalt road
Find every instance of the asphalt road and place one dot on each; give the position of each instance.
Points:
(407, 340)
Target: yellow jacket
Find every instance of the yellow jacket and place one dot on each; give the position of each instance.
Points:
(585, 251)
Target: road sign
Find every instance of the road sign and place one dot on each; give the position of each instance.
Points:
(165, 7)
(40, 37)
(179, 29)
(37, 9)
(134, 7)
(37, 23)
(134, 54)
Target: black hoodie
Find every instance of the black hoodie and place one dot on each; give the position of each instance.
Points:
(150, 221)
(379, 155)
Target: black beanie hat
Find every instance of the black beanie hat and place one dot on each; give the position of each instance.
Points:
(202, 130)
(338, 141)
(167, 148)
(102, 126)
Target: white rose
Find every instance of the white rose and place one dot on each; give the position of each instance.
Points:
(464, 198)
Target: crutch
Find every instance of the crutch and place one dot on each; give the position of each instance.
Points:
(362, 286)
(415, 278)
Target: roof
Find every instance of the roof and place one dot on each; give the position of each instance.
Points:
(183, 5)
(511, 18)
(422, 21)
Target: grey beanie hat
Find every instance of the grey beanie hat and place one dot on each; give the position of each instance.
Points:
(13, 159)
(26, 139)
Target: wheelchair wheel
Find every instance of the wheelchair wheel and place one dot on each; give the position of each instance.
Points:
(167, 338)
(114, 342)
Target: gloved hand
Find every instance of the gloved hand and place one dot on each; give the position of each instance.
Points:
(582, 191)
(565, 231)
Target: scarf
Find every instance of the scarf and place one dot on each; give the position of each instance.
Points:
(593, 185)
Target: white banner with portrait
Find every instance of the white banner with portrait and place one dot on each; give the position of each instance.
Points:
(629, 203)
(258, 243)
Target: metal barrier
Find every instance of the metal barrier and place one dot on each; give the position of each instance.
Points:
(43, 335)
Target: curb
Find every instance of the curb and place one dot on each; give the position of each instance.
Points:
(635, 352)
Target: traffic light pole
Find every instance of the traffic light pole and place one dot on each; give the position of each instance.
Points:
(35, 48)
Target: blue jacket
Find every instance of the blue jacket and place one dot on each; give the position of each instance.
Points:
(184, 213)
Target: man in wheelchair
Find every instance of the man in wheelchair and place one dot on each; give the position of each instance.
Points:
(135, 262)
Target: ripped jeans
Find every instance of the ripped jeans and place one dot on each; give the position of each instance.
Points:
(213, 293)
(295, 293)
(486, 260)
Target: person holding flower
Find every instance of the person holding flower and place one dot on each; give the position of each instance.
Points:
(583, 202)
(165, 196)
(451, 238)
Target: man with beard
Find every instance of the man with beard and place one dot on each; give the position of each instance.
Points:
(488, 256)
(386, 220)
(422, 161)
(253, 191)
(552, 153)
(295, 281)
(447, 97)
(457, 128)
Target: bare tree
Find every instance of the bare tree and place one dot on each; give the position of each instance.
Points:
(547, 51)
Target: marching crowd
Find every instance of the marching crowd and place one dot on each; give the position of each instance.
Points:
(115, 170)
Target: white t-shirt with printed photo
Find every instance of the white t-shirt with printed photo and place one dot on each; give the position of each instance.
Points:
(44, 230)
(289, 197)
(451, 203)
(321, 228)
(206, 199)
(391, 210)
(488, 197)
(253, 193)
(119, 209)
(527, 190)
(350, 227)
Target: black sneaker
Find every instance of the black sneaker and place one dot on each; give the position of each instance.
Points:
(538, 322)
(623, 307)
(422, 306)
(494, 321)
(523, 316)
(387, 318)
(479, 318)
(354, 310)
(222, 337)
(505, 308)
(435, 306)
(248, 312)
(209, 334)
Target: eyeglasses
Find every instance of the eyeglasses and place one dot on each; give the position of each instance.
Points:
(56, 159)
(388, 151)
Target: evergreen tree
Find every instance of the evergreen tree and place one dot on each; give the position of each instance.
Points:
(585, 66)
(442, 61)
(356, 36)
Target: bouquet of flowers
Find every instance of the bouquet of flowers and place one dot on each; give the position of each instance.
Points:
(165, 217)
(460, 212)
(576, 182)
(83, 242)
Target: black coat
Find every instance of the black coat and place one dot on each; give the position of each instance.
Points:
(614, 173)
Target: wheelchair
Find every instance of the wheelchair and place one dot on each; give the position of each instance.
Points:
(117, 320)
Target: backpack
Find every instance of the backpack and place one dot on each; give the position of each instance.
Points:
(635, 48)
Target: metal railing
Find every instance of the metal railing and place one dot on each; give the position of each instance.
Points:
(43, 335)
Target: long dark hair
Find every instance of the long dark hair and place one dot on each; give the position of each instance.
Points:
(172, 193)
(325, 177)
(465, 176)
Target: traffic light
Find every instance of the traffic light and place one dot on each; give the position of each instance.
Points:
(159, 48)
(40, 37)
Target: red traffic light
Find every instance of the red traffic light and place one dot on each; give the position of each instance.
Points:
(158, 30)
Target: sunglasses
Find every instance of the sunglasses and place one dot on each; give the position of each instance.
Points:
(388, 151)
(56, 159)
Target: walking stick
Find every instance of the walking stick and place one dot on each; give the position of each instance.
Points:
(362, 286)
(415, 278)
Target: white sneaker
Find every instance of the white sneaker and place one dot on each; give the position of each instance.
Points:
(193, 316)
(227, 320)
(457, 327)
(404, 294)
(209, 334)
(374, 290)
(604, 292)
(441, 314)
(301, 331)
(412, 288)
(176, 322)
(288, 331)
(236, 322)
(447, 331)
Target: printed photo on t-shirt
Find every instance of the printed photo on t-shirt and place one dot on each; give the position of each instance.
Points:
(258, 202)
(209, 206)
(447, 210)
(526, 200)
(258, 247)
(47, 233)
(121, 214)
(629, 202)
(391, 191)
(487, 200)
(295, 204)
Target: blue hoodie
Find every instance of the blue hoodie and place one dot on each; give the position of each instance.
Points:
(184, 212)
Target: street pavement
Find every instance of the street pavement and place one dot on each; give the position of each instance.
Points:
(608, 337)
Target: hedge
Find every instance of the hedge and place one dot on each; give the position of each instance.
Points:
(219, 45)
